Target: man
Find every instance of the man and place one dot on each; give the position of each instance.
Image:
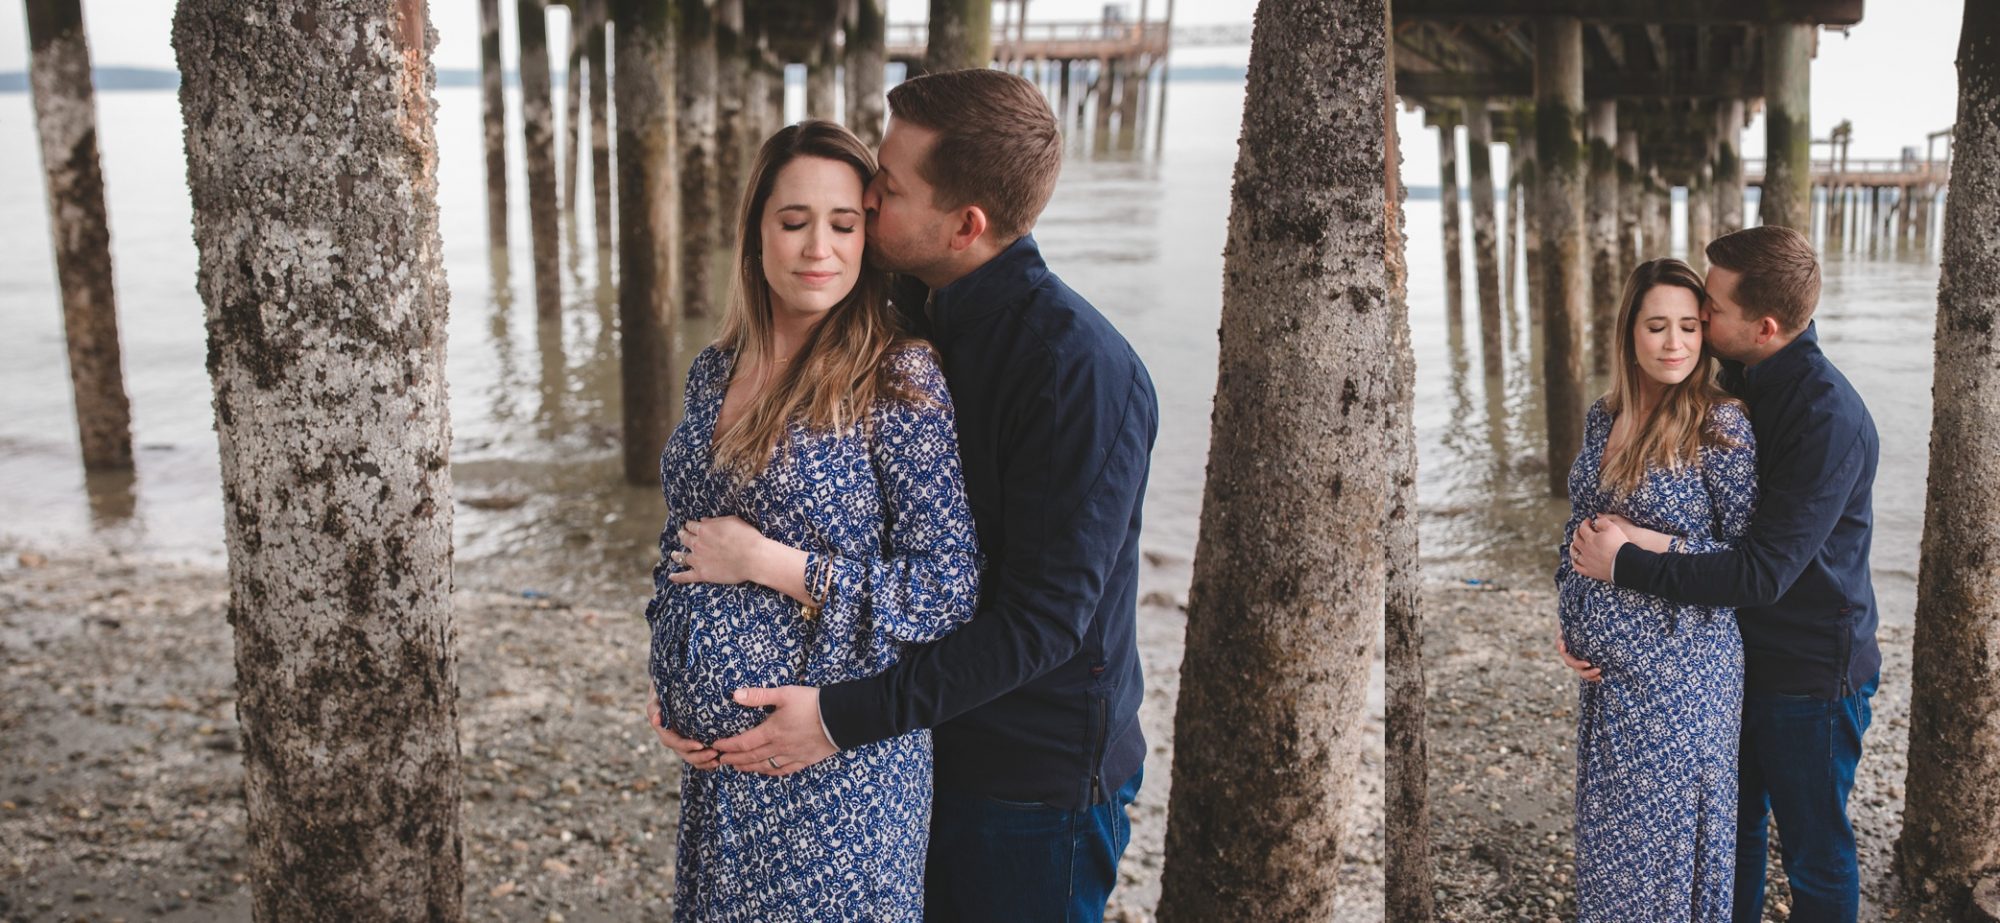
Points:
(1799, 580)
(1034, 703)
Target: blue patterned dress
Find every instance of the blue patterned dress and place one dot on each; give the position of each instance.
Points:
(882, 513)
(1656, 739)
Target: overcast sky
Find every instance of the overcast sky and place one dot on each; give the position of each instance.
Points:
(1892, 74)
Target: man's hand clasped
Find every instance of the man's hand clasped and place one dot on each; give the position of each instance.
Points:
(790, 738)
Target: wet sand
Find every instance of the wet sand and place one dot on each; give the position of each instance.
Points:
(121, 783)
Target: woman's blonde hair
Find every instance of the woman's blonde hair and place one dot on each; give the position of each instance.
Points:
(842, 368)
(1673, 434)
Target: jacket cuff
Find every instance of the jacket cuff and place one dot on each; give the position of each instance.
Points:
(1631, 565)
(850, 714)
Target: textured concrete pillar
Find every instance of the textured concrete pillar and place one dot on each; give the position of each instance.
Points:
(1601, 215)
(573, 108)
(1728, 166)
(1559, 220)
(823, 79)
(961, 35)
(735, 138)
(493, 114)
(867, 44)
(1448, 208)
(695, 65)
(538, 133)
(1485, 255)
(1529, 178)
(66, 122)
(1631, 199)
(648, 225)
(595, 55)
(1107, 85)
(1700, 216)
(1787, 193)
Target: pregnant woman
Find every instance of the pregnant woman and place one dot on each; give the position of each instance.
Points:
(1669, 450)
(817, 523)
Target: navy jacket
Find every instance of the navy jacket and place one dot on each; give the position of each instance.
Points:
(1799, 579)
(1037, 698)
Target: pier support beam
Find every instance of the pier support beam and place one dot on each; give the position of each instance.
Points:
(867, 43)
(961, 35)
(66, 121)
(1951, 829)
(493, 114)
(1700, 216)
(1107, 84)
(1529, 237)
(1631, 201)
(695, 40)
(1454, 252)
(1602, 217)
(1559, 213)
(648, 218)
(1728, 166)
(1485, 254)
(594, 54)
(1787, 192)
(823, 79)
(538, 135)
(735, 139)
(572, 110)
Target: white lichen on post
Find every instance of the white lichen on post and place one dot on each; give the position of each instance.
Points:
(312, 166)
(1951, 822)
(1289, 571)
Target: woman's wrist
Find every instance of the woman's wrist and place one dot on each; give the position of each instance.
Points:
(783, 568)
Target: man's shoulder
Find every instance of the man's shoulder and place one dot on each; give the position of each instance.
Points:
(1070, 332)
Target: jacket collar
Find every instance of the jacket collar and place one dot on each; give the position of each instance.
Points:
(996, 284)
(1785, 364)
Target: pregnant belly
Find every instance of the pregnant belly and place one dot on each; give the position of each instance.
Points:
(1620, 630)
(715, 640)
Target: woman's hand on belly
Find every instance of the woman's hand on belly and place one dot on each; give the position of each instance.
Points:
(727, 550)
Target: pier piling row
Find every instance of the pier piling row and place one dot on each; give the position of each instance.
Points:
(1614, 103)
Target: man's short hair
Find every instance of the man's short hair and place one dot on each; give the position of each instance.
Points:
(998, 146)
(1780, 273)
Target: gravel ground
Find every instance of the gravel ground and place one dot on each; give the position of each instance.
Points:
(121, 783)
(1502, 772)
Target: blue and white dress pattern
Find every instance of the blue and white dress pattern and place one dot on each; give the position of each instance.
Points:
(881, 511)
(1657, 738)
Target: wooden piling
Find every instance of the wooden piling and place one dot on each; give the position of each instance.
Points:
(1485, 258)
(1787, 190)
(648, 218)
(1631, 199)
(594, 53)
(1529, 239)
(867, 44)
(961, 35)
(695, 60)
(538, 132)
(735, 140)
(1559, 214)
(66, 124)
(1700, 216)
(1107, 85)
(1448, 208)
(1728, 166)
(493, 114)
(572, 109)
(823, 78)
(1601, 215)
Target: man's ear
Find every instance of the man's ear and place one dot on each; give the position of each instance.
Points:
(971, 227)
(1767, 329)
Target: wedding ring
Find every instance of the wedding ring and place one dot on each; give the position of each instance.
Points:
(773, 761)
(678, 557)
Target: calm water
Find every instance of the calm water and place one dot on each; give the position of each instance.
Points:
(535, 412)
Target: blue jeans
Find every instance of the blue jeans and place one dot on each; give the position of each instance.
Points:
(1797, 762)
(1012, 861)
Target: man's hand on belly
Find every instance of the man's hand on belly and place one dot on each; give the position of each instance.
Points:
(789, 740)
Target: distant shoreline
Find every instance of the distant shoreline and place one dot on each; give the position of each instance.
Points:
(151, 79)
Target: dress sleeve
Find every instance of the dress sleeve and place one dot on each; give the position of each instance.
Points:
(1730, 474)
(1569, 583)
(925, 580)
(701, 375)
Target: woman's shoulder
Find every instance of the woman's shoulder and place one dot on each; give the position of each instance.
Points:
(1730, 418)
(914, 364)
